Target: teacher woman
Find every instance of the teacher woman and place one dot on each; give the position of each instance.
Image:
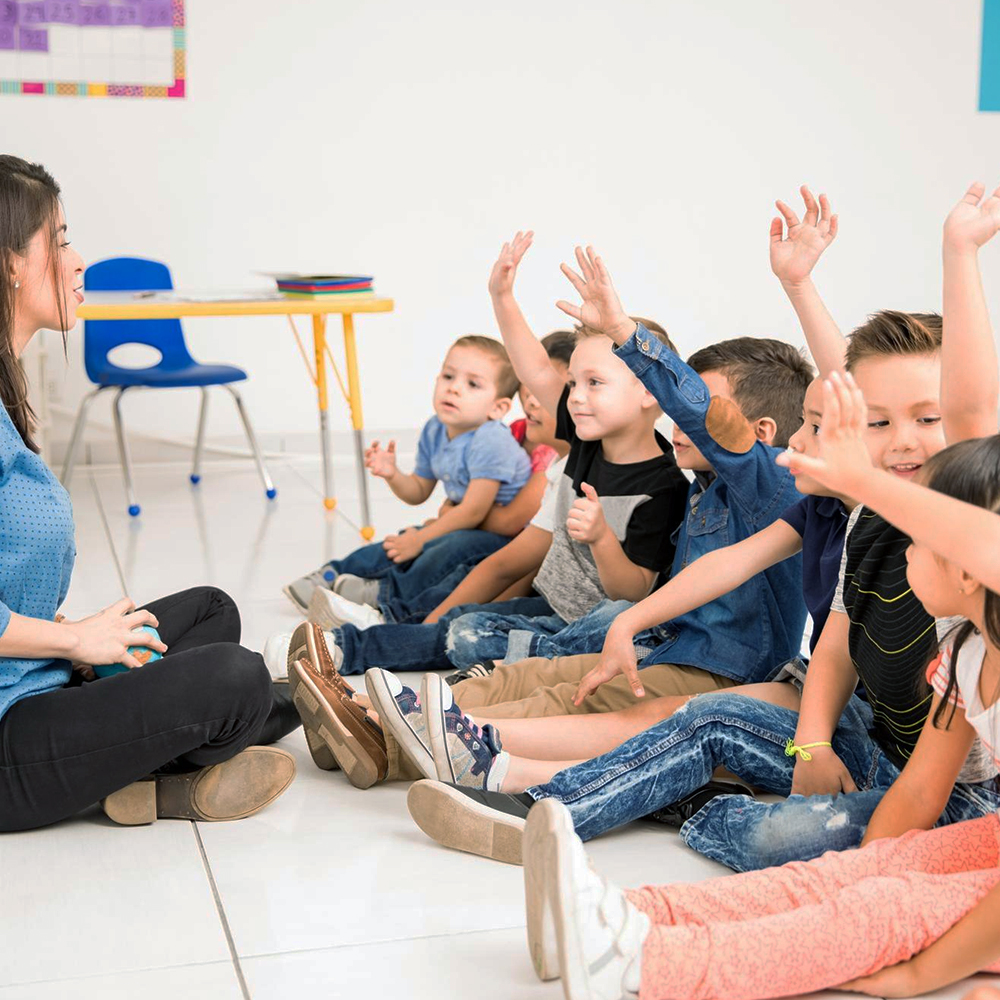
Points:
(179, 737)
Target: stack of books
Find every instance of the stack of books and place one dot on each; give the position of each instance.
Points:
(312, 286)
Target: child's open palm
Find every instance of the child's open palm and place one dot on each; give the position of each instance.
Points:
(973, 221)
(793, 256)
(601, 308)
(380, 461)
(505, 269)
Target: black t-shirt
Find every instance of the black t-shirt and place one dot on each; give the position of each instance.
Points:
(643, 503)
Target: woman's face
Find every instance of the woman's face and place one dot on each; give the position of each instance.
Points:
(37, 299)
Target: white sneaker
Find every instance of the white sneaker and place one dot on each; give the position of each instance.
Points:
(576, 915)
(275, 653)
(330, 610)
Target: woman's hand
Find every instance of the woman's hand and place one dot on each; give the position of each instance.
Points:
(105, 637)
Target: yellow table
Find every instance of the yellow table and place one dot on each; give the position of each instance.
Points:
(177, 304)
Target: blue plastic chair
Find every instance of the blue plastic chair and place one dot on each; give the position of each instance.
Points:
(175, 369)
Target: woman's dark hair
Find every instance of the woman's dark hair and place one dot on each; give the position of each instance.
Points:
(29, 202)
(969, 471)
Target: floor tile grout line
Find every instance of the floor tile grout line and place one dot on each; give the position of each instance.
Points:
(108, 535)
(224, 920)
(113, 974)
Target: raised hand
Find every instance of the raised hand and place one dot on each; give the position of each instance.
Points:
(973, 221)
(105, 637)
(380, 461)
(601, 309)
(843, 460)
(617, 657)
(505, 269)
(585, 521)
(793, 256)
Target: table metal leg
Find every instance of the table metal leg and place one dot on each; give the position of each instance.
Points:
(319, 348)
(358, 423)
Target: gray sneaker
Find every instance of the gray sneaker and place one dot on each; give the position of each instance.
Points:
(356, 589)
(300, 591)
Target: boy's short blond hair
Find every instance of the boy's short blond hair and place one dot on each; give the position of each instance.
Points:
(654, 328)
(507, 382)
(891, 333)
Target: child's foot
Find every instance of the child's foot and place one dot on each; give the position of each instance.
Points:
(463, 753)
(489, 824)
(400, 713)
(598, 933)
(284, 648)
(235, 789)
(483, 669)
(300, 591)
(330, 610)
(357, 589)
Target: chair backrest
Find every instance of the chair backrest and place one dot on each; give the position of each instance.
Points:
(100, 336)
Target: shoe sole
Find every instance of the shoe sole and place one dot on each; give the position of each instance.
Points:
(233, 790)
(318, 715)
(390, 719)
(456, 821)
(288, 592)
(553, 937)
(321, 754)
(431, 692)
(133, 805)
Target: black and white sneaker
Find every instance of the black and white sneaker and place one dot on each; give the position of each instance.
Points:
(678, 813)
(483, 669)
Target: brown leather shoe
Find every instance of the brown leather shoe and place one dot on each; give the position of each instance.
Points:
(309, 643)
(337, 728)
(235, 789)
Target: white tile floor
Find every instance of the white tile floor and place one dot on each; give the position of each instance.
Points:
(330, 892)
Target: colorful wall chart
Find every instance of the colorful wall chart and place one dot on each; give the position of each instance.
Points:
(92, 48)
(989, 65)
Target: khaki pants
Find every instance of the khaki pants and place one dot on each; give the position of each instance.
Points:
(538, 688)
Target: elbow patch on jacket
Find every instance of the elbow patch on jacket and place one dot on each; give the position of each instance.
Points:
(728, 427)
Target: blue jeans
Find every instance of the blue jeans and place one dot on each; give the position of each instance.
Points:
(410, 646)
(509, 638)
(746, 736)
(408, 591)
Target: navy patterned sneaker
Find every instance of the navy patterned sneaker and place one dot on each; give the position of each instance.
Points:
(463, 753)
(300, 591)
(400, 713)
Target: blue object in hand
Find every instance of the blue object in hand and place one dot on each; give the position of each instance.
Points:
(142, 653)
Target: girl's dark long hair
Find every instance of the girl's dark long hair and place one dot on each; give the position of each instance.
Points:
(969, 471)
(29, 202)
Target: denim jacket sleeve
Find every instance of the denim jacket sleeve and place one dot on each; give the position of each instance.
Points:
(753, 479)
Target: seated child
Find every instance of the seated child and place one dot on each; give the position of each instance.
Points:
(465, 446)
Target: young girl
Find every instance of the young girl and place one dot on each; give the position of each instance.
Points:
(896, 918)
(66, 743)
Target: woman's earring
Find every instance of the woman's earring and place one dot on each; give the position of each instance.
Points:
(17, 284)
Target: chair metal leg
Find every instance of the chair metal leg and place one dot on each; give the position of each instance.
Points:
(200, 440)
(74, 442)
(123, 453)
(269, 489)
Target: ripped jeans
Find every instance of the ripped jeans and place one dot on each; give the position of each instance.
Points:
(747, 737)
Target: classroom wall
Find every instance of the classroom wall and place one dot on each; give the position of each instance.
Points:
(409, 140)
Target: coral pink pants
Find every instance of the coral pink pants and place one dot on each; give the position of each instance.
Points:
(816, 924)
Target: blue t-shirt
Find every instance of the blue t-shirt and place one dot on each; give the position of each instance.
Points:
(488, 452)
(37, 552)
(822, 522)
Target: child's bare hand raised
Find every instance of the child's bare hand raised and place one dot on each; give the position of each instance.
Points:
(973, 221)
(505, 269)
(794, 256)
(380, 461)
(601, 309)
(585, 521)
(843, 462)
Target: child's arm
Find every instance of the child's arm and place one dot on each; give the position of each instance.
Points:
(411, 489)
(531, 362)
(479, 498)
(792, 260)
(969, 380)
(621, 579)
(511, 519)
(917, 798)
(496, 574)
(962, 533)
(714, 574)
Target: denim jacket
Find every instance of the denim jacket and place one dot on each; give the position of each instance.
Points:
(749, 633)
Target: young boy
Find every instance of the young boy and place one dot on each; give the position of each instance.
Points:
(465, 446)
(877, 630)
